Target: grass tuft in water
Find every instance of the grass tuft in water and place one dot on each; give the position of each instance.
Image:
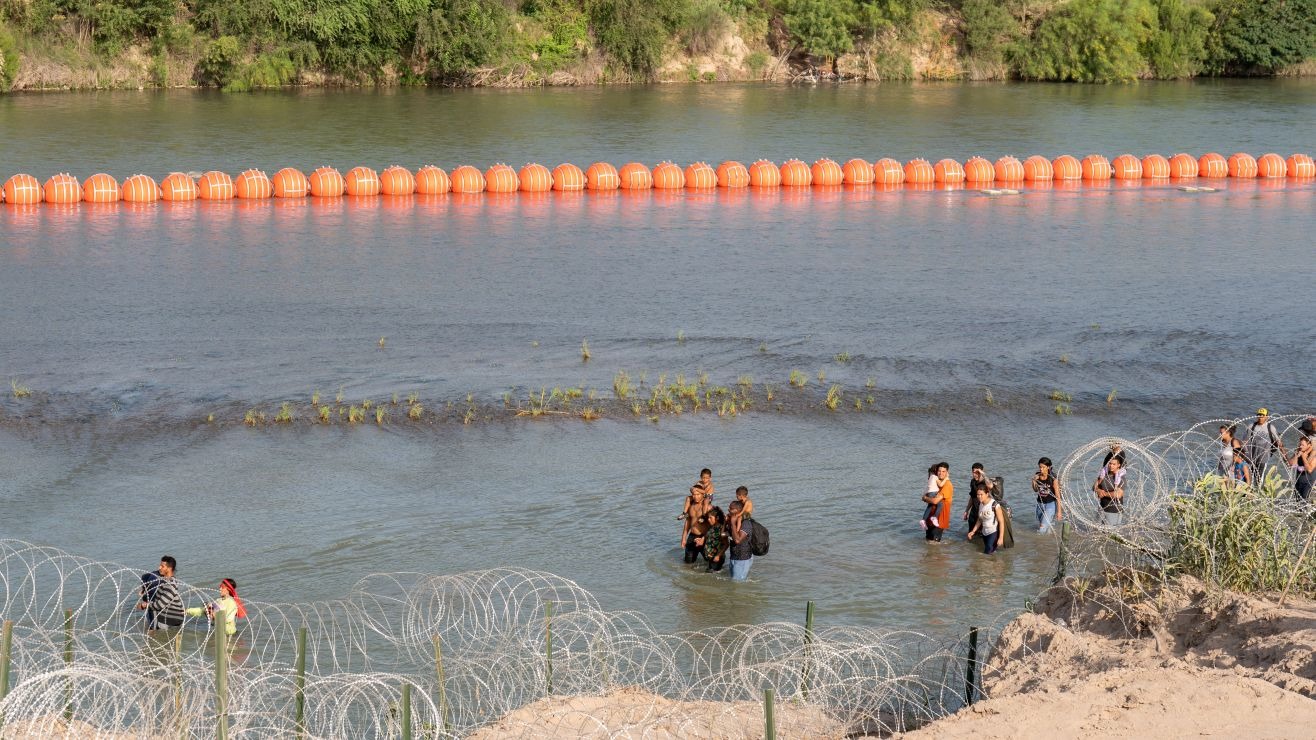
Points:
(680, 336)
(988, 397)
(382, 341)
(325, 412)
(1110, 397)
(380, 415)
(843, 357)
(414, 413)
(621, 385)
(19, 390)
(315, 398)
(1063, 409)
(584, 351)
(1064, 359)
(355, 415)
(338, 399)
(798, 379)
(1058, 395)
(590, 413)
(285, 414)
(833, 398)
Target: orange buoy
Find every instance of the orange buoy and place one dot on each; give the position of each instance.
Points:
(23, 190)
(63, 188)
(732, 174)
(253, 184)
(1009, 169)
(764, 174)
(100, 188)
(1212, 165)
(568, 177)
(1301, 165)
(948, 171)
(140, 189)
(362, 181)
(796, 174)
(602, 176)
(1126, 167)
(535, 178)
(289, 182)
(431, 180)
(501, 179)
(919, 172)
(326, 182)
(857, 172)
(1066, 167)
(215, 185)
(1095, 167)
(395, 180)
(1155, 167)
(1183, 166)
(1272, 165)
(667, 176)
(827, 172)
(467, 179)
(178, 188)
(887, 171)
(700, 176)
(1241, 164)
(635, 176)
(1038, 168)
(979, 171)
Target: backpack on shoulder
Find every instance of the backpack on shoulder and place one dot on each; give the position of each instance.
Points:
(758, 538)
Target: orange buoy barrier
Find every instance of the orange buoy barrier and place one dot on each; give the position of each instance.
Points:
(140, 189)
(63, 188)
(634, 176)
(467, 179)
(796, 174)
(1155, 167)
(100, 188)
(501, 179)
(1037, 168)
(23, 190)
(979, 171)
(602, 176)
(1095, 167)
(1066, 167)
(535, 178)
(700, 176)
(326, 182)
(1241, 164)
(764, 174)
(431, 180)
(1183, 166)
(289, 182)
(948, 172)
(732, 174)
(215, 185)
(1272, 165)
(253, 184)
(1301, 165)
(568, 177)
(1212, 165)
(827, 172)
(1009, 169)
(857, 171)
(668, 176)
(887, 171)
(178, 187)
(919, 172)
(361, 181)
(395, 180)
(1126, 167)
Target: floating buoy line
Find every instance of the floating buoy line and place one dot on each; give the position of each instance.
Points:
(1005, 176)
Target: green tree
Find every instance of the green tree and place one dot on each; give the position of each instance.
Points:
(1261, 36)
(990, 31)
(460, 35)
(821, 27)
(1177, 49)
(634, 32)
(1090, 41)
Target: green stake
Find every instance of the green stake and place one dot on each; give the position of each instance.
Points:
(548, 642)
(808, 643)
(221, 674)
(972, 665)
(443, 688)
(406, 711)
(299, 690)
(769, 715)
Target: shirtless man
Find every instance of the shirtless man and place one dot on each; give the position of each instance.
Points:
(695, 523)
(705, 485)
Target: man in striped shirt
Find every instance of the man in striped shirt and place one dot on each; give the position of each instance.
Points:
(160, 599)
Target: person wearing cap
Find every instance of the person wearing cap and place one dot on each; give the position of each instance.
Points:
(1262, 441)
(228, 602)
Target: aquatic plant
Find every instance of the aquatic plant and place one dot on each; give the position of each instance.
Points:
(822, 376)
(1064, 359)
(769, 391)
(315, 398)
(584, 351)
(19, 390)
(355, 415)
(589, 413)
(395, 399)
(989, 398)
(381, 342)
(871, 384)
(1110, 397)
(324, 414)
(745, 382)
(833, 398)
(253, 417)
(637, 408)
(210, 418)
(1058, 395)
(680, 336)
(1063, 409)
(285, 414)
(412, 398)
(621, 385)
(843, 357)
(338, 399)
(763, 346)
(798, 379)
(380, 415)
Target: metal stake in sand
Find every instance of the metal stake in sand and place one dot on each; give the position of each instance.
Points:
(221, 674)
(68, 663)
(548, 643)
(769, 715)
(972, 665)
(6, 647)
(299, 683)
(1061, 563)
(808, 644)
(406, 711)
(443, 688)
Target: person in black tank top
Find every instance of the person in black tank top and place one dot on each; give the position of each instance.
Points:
(1047, 488)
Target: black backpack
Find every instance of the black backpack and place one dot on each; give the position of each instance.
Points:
(758, 538)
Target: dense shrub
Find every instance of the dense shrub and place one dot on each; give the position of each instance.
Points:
(990, 31)
(8, 58)
(458, 36)
(1090, 41)
(1261, 36)
(820, 27)
(1177, 49)
(634, 32)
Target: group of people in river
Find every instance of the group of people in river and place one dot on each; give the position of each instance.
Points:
(722, 539)
(1244, 455)
(160, 599)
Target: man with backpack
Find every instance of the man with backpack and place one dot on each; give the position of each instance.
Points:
(741, 529)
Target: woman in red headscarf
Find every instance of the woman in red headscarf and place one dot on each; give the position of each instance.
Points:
(228, 602)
